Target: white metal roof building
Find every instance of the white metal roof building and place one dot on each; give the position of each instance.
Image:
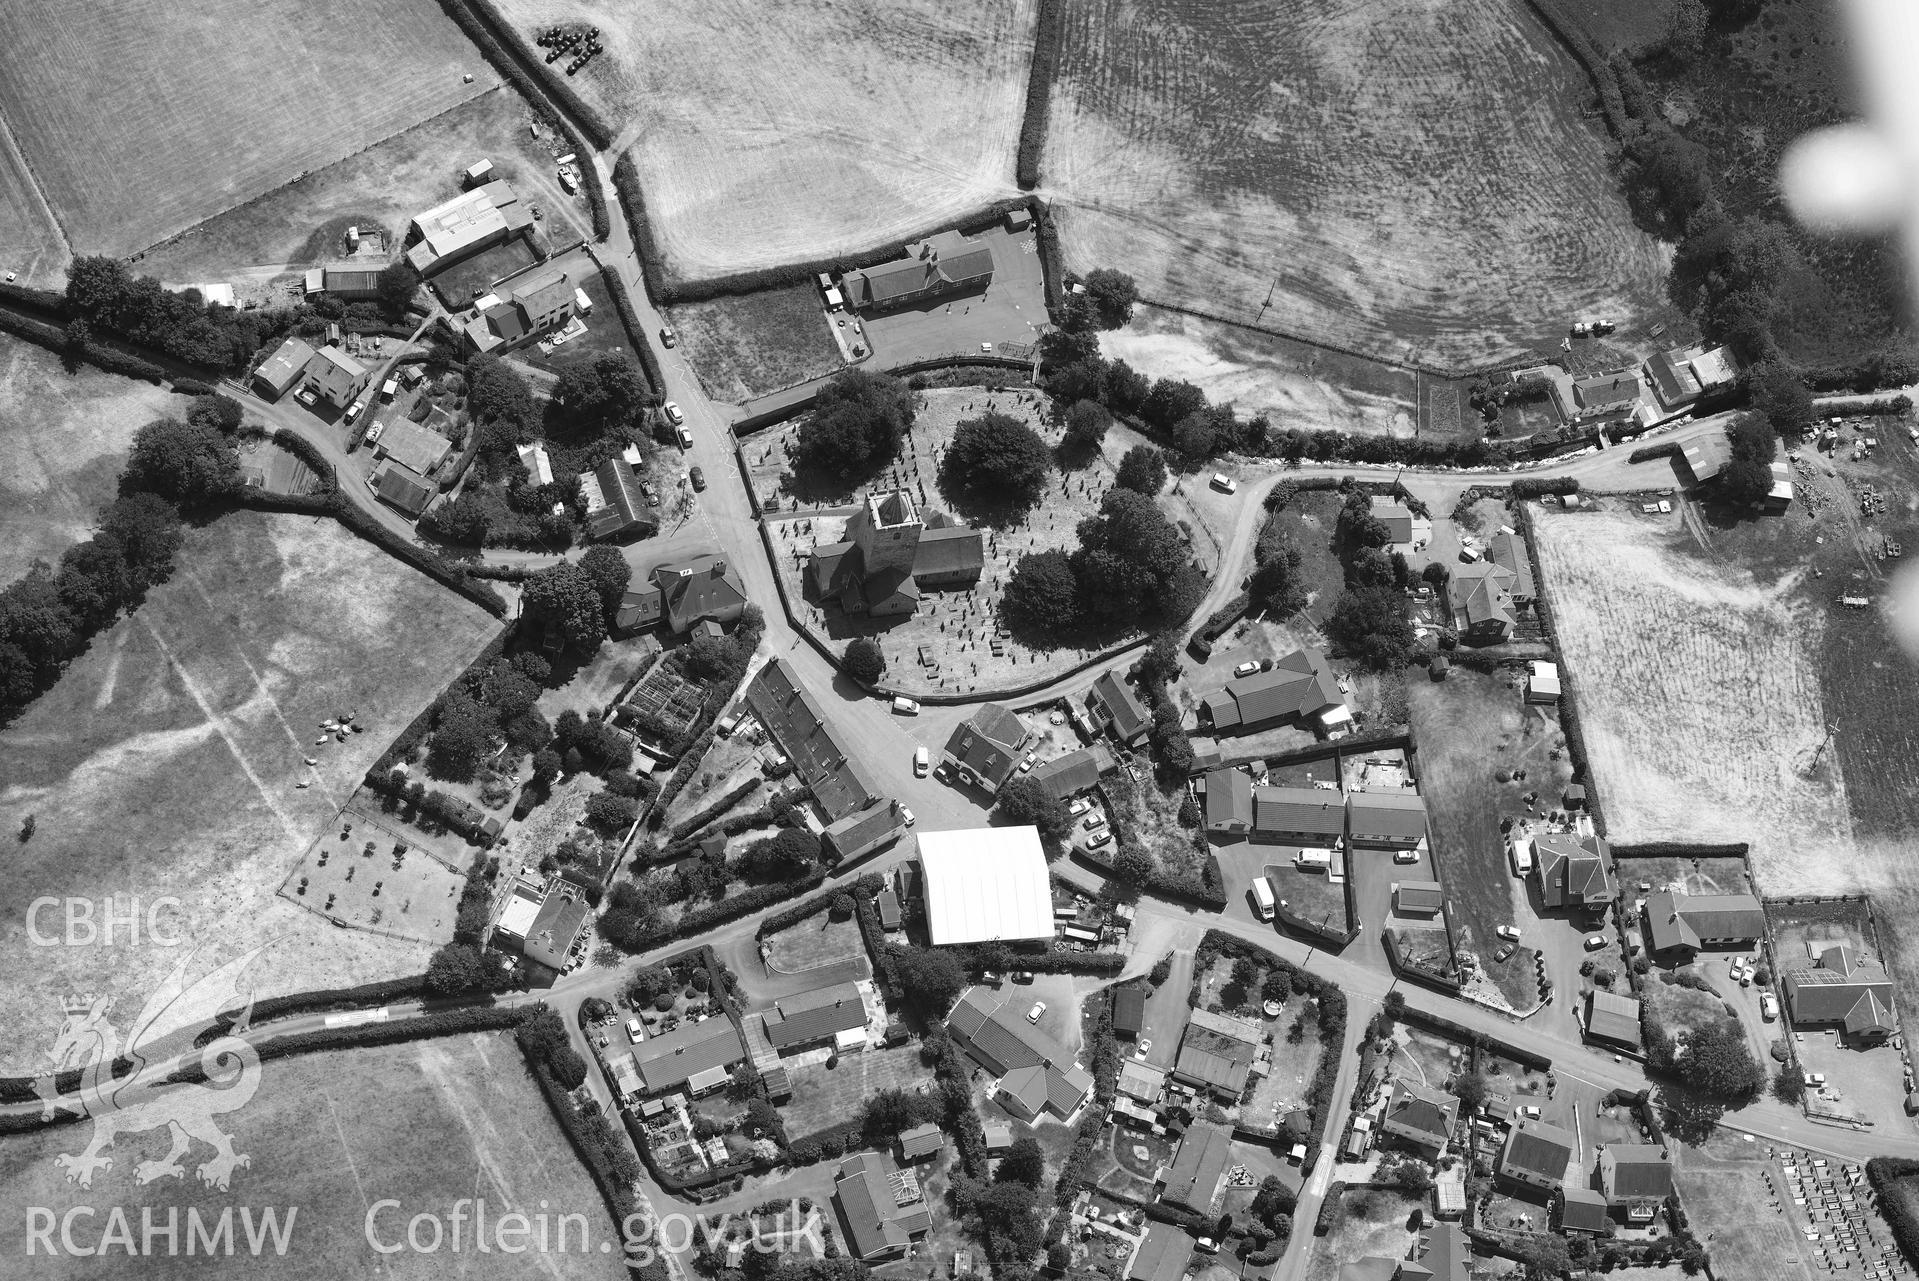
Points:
(986, 884)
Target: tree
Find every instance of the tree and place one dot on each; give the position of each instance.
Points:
(463, 734)
(1087, 423)
(857, 421)
(1371, 625)
(27, 826)
(1133, 865)
(464, 522)
(1789, 1084)
(1358, 527)
(610, 814)
(533, 667)
(997, 457)
(546, 765)
(398, 283)
(713, 657)
(1043, 593)
(1782, 397)
(1126, 553)
(609, 394)
(569, 1069)
(1719, 1062)
(1010, 1213)
(1471, 1090)
(1195, 438)
(1413, 1176)
(1024, 1162)
(1025, 800)
(217, 411)
(1125, 387)
(930, 976)
(1142, 470)
(568, 597)
(610, 574)
(1171, 401)
(1748, 477)
(494, 392)
(455, 968)
(1277, 587)
(863, 660)
(1686, 31)
(1111, 295)
(182, 463)
(785, 856)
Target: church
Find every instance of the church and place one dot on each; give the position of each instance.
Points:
(889, 554)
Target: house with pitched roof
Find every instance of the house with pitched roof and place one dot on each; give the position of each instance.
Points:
(699, 589)
(811, 1018)
(938, 267)
(1065, 777)
(282, 369)
(539, 304)
(333, 376)
(1116, 705)
(1682, 925)
(1418, 898)
(1684, 374)
(1583, 1210)
(1481, 599)
(1613, 1018)
(1840, 986)
(1421, 1117)
(863, 831)
(1163, 1254)
(1636, 1178)
(1441, 1252)
(889, 553)
(1198, 1164)
(798, 724)
(986, 747)
(1036, 1073)
(1216, 1053)
(671, 1060)
(460, 227)
(1300, 687)
(1536, 1155)
(400, 488)
(616, 503)
(1229, 802)
(875, 1226)
(1309, 816)
(1575, 873)
(1129, 1010)
(921, 1142)
(1386, 820)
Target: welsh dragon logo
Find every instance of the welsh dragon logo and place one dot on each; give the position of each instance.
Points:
(145, 1098)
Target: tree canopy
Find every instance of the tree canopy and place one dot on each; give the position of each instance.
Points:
(1025, 800)
(1087, 423)
(185, 463)
(1128, 555)
(494, 391)
(1142, 470)
(570, 598)
(856, 424)
(1370, 624)
(933, 977)
(609, 394)
(997, 457)
(864, 660)
(1043, 593)
(610, 574)
(1111, 294)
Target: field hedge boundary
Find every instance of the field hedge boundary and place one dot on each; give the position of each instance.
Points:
(1678, 849)
(642, 345)
(1572, 36)
(733, 907)
(1049, 34)
(53, 337)
(1569, 720)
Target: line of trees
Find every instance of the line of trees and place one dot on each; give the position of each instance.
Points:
(1131, 566)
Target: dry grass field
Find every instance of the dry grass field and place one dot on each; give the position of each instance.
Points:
(304, 223)
(1346, 169)
(140, 119)
(425, 1123)
(62, 439)
(741, 347)
(165, 762)
(764, 137)
(30, 239)
(1698, 691)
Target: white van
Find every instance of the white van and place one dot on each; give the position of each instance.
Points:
(1263, 898)
(921, 762)
(904, 706)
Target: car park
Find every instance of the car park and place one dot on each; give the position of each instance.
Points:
(673, 414)
(1098, 839)
(1595, 941)
(1247, 668)
(1039, 1008)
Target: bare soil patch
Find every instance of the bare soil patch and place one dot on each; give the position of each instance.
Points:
(741, 347)
(1345, 170)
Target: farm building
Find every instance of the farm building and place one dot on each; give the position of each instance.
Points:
(1229, 801)
(985, 749)
(1583, 1210)
(936, 267)
(1310, 816)
(1840, 986)
(1300, 687)
(986, 885)
(1418, 898)
(1705, 458)
(551, 937)
(1542, 682)
(350, 284)
(1037, 1074)
(889, 555)
(1536, 1154)
(1684, 374)
(1129, 1010)
(1065, 777)
(1636, 1178)
(671, 1060)
(1198, 1165)
(1420, 1117)
(1575, 873)
(282, 369)
(1612, 1017)
(810, 1018)
(399, 488)
(876, 1227)
(797, 724)
(1114, 704)
(333, 376)
(410, 445)
(1163, 1254)
(1683, 924)
(471, 221)
(863, 831)
(539, 305)
(1386, 820)
(616, 503)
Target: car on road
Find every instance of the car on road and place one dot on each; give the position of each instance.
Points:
(904, 706)
(673, 414)
(1225, 484)
(1595, 941)
(1039, 1008)
(1079, 807)
(668, 338)
(698, 477)
(1098, 839)
(1508, 932)
(1247, 668)
(1505, 950)
(1768, 1007)
(921, 763)
(907, 816)
(1032, 759)
(1095, 821)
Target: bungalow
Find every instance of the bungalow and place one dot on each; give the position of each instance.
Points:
(1386, 820)
(939, 266)
(1216, 1053)
(1603, 394)
(1036, 1072)
(1398, 520)
(1115, 704)
(1229, 801)
(875, 1227)
(1636, 1178)
(1685, 924)
(1536, 1155)
(1845, 988)
(1141, 1082)
(1065, 777)
(1575, 873)
(1423, 1118)
(1198, 1164)
(671, 1060)
(616, 503)
(810, 1018)
(1163, 1254)
(1310, 816)
(1612, 1017)
(1418, 898)
(985, 749)
(1300, 687)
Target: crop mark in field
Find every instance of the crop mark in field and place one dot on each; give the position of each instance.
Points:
(239, 652)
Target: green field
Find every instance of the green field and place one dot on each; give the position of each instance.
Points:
(165, 762)
(426, 1124)
(62, 439)
(140, 119)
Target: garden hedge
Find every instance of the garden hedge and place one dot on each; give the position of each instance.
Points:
(1540, 486)
(309, 453)
(1646, 453)
(1044, 960)
(1208, 892)
(1448, 983)
(1047, 39)
(1886, 1173)
(863, 887)
(54, 338)
(641, 341)
(1678, 849)
(687, 827)
(732, 908)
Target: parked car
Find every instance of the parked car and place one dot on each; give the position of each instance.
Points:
(1505, 950)
(1032, 759)
(1530, 1112)
(354, 410)
(1022, 976)
(667, 337)
(673, 414)
(1225, 484)
(922, 764)
(1405, 856)
(1079, 807)
(1095, 821)
(685, 437)
(1595, 941)
(1768, 1006)
(1144, 1047)
(908, 817)
(1098, 839)
(904, 706)
(1039, 1008)
(635, 1031)
(1247, 668)
(1817, 1080)
(1508, 932)
(698, 478)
